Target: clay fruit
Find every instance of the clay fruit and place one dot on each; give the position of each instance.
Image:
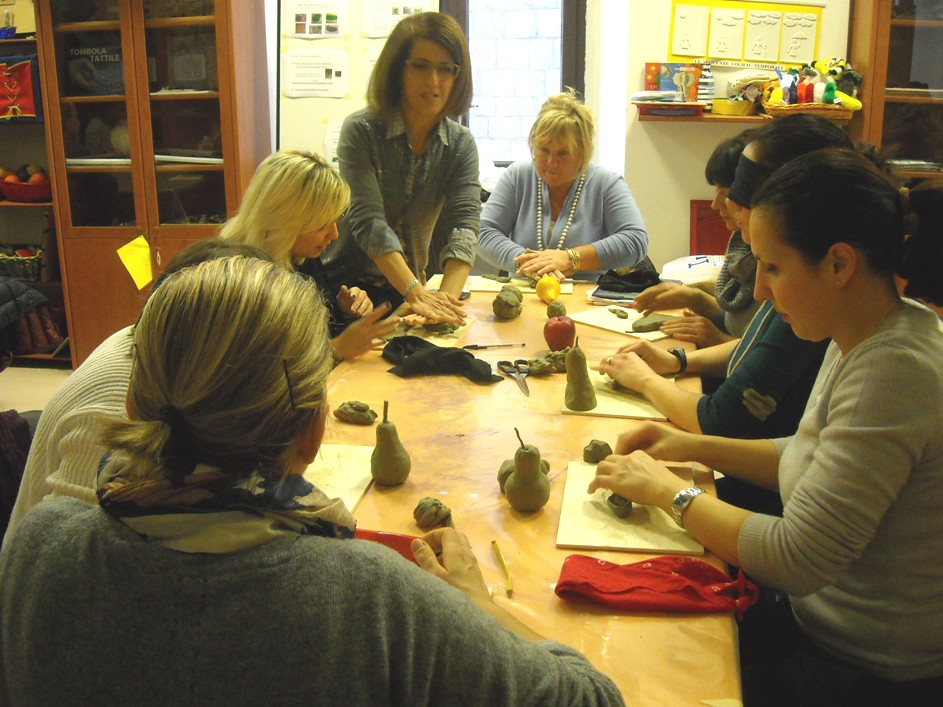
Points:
(389, 463)
(527, 488)
(580, 393)
(559, 333)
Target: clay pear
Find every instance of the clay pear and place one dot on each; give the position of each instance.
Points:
(527, 488)
(507, 468)
(580, 393)
(389, 463)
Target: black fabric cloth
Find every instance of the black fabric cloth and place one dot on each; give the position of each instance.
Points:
(414, 356)
(642, 276)
(313, 269)
(15, 439)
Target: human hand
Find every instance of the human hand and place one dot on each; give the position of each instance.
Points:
(436, 306)
(659, 360)
(665, 295)
(82, 73)
(628, 370)
(358, 338)
(659, 441)
(354, 302)
(456, 563)
(694, 328)
(639, 478)
(537, 263)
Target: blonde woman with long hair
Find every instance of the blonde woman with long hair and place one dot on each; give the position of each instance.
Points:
(289, 210)
(218, 573)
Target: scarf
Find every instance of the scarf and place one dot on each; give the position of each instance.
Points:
(734, 287)
(210, 511)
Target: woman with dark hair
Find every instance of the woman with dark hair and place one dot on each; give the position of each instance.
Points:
(413, 172)
(858, 547)
(719, 310)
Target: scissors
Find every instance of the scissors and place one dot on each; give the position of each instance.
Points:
(517, 370)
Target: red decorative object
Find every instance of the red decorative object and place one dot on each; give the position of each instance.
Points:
(25, 191)
(20, 100)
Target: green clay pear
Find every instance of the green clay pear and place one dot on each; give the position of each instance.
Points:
(527, 487)
(507, 468)
(580, 393)
(389, 463)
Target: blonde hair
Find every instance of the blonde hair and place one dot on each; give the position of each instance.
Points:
(564, 116)
(385, 90)
(237, 349)
(292, 192)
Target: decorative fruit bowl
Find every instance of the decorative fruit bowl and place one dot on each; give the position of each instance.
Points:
(26, 191)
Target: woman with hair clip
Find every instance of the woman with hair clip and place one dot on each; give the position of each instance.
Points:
(858, 547)
(413, 172)
(718, 310)
(289, 210)
(558, 214)
(218, 574)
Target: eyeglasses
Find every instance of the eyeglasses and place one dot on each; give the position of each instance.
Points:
(427, 69)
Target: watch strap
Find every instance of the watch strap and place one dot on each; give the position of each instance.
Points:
(682, 357)
(681, 502)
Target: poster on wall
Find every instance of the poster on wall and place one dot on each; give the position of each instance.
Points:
(312, 73)
(726, 33)
(690, 35)
(762, 35)
(315, 20)
(381, 16)
(798, 38)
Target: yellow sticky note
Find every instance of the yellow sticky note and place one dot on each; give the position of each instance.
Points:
(136, 257)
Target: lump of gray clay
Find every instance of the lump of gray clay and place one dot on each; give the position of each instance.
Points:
(507, 304)
(652, 322)
(440, 327)
(619, 312)
(556, 309)
(619, 505)
(431, 513)
(596, 451)
(355, 412)
(496, 277)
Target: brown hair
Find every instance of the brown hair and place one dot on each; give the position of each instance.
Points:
(564, 116)
(384, 94)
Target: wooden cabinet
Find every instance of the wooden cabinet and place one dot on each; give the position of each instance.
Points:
(158, 114)
(898, 47)
(24, 141)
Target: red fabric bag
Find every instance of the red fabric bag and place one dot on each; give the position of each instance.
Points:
(670, 583)
(20, 100)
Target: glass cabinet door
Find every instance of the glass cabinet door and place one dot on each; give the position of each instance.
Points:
(186, 132)
(97, 118)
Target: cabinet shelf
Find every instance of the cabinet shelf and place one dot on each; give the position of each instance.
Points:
(917, 23)
(706, 118)
(184, 95)
(110, 98)
(180, 22)
(96, 26)
(28, 204)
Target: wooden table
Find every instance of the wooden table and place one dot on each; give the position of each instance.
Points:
(458, 433)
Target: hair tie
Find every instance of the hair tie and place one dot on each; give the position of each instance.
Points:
(904, 198)
(181, 452)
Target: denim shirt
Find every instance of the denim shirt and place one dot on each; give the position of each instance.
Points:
(399, 201)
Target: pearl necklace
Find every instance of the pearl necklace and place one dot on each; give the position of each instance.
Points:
(569, 219)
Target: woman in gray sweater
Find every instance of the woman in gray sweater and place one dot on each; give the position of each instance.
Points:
(858, 548)
(212, 572)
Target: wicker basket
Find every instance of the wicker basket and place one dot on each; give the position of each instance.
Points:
(21, 268)
(25, 191)
(832, 112)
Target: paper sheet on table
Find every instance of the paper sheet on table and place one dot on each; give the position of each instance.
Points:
(447, 340)
(611, 402)
(478, 283)
(586, 523)
(342, 471)
(605, 318)
(136, 258)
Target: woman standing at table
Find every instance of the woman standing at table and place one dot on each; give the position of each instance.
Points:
(719, 310)
(558, 214)
(412, 171)
(858, 547)
(241, 577)
(289, 210)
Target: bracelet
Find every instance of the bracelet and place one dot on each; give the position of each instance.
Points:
(682, 357)
(574, 257)
(410, 286)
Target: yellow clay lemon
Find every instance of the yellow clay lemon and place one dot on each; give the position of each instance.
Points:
(547, 288)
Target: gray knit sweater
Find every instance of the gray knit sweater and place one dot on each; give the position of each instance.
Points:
(860, 543)
(94, 615)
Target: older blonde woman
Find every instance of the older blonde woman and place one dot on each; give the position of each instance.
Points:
(290, 210)
(558, 213)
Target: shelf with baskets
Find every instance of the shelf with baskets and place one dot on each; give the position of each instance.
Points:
(28, 248)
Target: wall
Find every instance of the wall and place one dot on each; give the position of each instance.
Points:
(664, 162)
(24, 16)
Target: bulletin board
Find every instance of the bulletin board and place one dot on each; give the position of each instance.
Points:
(326, 51)
(738, 31)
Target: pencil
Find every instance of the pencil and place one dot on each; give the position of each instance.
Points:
(509, 584)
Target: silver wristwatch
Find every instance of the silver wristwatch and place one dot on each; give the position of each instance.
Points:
(681, 502)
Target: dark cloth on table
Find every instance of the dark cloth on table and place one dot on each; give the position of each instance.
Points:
(414, 356)
(642, 276)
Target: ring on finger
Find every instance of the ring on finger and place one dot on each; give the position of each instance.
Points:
(609, 361)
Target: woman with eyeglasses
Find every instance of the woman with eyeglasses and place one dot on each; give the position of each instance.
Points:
(558, 214)
(413, 172)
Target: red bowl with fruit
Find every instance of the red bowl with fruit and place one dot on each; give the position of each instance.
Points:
(26, 191)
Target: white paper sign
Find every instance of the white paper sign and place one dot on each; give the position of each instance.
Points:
(762, 35)
(315, 20)
(726, 35)
(315, 73)
(798, 37)
(689, 37)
